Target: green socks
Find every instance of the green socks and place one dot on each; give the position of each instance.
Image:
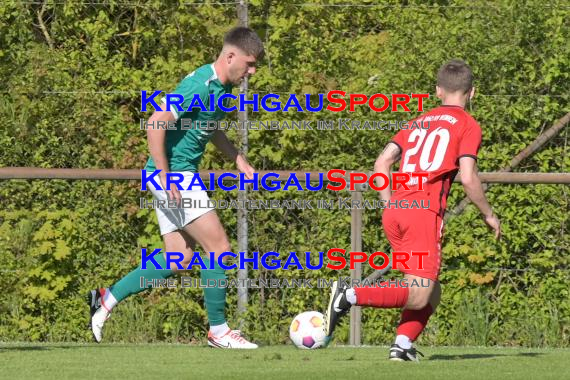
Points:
(214, 297)
(139, 279)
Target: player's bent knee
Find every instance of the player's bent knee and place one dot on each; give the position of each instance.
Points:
(187, 260)
(224, 247)
(220, 248)
(435, 297)
(418, 298)
(417, 304)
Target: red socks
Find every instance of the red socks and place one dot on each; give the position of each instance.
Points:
(385, 295)
(413, 322)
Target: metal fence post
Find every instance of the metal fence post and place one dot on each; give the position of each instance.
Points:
(356, 274)
(242, 226)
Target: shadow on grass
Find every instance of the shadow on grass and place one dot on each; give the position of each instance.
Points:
(38, 348)
(24, 348)
(482, 356)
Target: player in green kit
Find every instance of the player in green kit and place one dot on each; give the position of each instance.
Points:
(181, 151)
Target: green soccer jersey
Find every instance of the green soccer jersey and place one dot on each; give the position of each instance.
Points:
(185, 146)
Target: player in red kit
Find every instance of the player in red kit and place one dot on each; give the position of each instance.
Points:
(449, 145)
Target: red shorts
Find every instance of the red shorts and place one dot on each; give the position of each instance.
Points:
(415, 230)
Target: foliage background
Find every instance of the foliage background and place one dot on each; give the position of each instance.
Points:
(70, 76)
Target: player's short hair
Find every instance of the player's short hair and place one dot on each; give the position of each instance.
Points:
(246, 40)
(455, 75)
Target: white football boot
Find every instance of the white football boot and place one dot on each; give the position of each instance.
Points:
(98, 314)
(231, 339)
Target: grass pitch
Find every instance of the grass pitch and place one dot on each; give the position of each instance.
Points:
(157, 361)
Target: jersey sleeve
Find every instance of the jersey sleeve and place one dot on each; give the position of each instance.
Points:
(188, 88)
(470, 142)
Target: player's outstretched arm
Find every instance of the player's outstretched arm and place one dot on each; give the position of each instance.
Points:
(157, 147)
(474, 190)
(224, 145)
(389, 156)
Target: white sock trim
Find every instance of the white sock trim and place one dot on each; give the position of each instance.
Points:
(351, 296)
(109, 300)
(404, 342)
(219, 330)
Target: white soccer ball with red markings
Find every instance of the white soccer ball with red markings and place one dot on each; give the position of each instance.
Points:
(307, 330)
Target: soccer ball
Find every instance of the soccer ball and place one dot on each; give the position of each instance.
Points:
(307, 330)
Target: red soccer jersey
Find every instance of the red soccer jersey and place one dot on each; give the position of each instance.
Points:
(452, 134)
